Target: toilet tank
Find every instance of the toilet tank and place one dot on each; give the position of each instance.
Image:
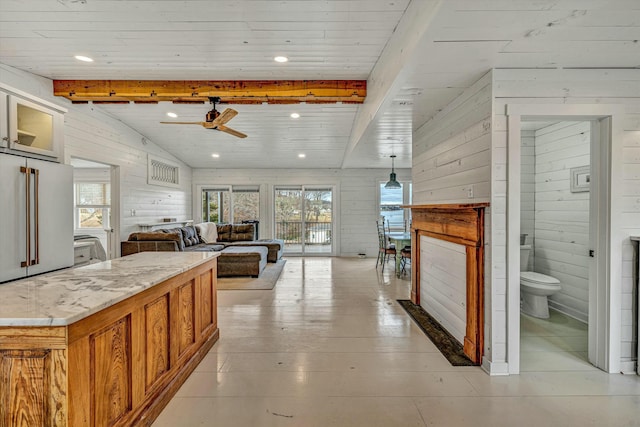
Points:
(524, 257)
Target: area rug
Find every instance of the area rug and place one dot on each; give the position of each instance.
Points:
(266, 281)
(446, 343)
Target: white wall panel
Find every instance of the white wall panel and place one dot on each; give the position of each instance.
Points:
(443, 284)
(527, 186)
(558, 148)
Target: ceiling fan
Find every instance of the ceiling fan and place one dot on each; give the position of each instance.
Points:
(215, 119)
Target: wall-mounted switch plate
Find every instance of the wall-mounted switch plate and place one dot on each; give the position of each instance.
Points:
(470, 192)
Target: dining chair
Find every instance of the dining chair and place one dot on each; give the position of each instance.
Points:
(385, 249)
(405, 257)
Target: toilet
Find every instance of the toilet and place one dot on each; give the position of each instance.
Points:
(535, 288)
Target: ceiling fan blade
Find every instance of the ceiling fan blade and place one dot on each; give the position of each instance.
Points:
(231, 131)
(183, 123)
(225, 116)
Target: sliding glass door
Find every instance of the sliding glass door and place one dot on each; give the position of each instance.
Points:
(304, 219)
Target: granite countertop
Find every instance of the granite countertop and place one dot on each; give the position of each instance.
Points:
(63, 297)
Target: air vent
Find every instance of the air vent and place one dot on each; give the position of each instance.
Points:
(163, 172)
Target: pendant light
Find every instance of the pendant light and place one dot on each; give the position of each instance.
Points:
(392, 183)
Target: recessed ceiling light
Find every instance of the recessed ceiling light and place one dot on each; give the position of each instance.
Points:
(83, 58)
(295, 115)
(302, 156)
(281, 59)
(172, 115)
(215, 155)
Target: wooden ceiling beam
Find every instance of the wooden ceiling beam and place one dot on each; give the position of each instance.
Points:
(229, 91)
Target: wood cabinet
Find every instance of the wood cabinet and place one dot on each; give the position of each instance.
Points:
(29, 125)
(117, 367)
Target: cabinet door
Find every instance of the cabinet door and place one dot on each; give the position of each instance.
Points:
(34, 128)
(55, 216)
(13, 221)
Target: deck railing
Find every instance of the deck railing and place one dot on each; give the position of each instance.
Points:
(315, 232)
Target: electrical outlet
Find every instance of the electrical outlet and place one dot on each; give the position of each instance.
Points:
(133, 212)
(470, 192)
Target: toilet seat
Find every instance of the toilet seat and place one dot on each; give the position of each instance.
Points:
(537, 278)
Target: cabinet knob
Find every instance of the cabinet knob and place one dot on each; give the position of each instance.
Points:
(5, 138)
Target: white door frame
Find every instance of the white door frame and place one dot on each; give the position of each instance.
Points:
(114, 238)
(605, 298)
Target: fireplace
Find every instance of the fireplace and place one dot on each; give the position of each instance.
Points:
(457, 224)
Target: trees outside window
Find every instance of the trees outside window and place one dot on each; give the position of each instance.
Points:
(231, 204)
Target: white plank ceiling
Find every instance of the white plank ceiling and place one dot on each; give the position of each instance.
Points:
(425, 62)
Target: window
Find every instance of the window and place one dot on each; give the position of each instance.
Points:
(390, 201)
(162, 172)
(246, 203)
(93, 203)
(231, 204)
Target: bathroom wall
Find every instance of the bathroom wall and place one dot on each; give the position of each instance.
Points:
(561, 237)
(528, 188)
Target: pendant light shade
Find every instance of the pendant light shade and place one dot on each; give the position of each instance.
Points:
(392, 183)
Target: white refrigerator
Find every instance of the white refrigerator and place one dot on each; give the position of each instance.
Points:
(36, 217)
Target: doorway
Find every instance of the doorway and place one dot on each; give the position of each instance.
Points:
(555, 223)
(304, 219)
(96, 206)
(604, 332)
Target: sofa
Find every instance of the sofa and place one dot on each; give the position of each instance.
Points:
(240, 253)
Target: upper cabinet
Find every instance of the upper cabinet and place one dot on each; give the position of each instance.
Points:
(30, 126)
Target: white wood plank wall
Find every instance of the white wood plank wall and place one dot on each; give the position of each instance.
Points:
(443, 285)
(355, 203)
(452, 160)
(451, 152)
(527, 186)
(562, 217)
(565, 86)
(90, 134)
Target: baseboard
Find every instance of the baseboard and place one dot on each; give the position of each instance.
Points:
(494, 368)
(628, 368)
(568, 311)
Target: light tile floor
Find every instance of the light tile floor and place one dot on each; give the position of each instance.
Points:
(555, 344)
(329, 346)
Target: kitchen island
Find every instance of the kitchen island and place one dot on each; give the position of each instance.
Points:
(108, 344)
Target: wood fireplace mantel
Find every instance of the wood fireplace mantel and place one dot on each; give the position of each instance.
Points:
(462, 224)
